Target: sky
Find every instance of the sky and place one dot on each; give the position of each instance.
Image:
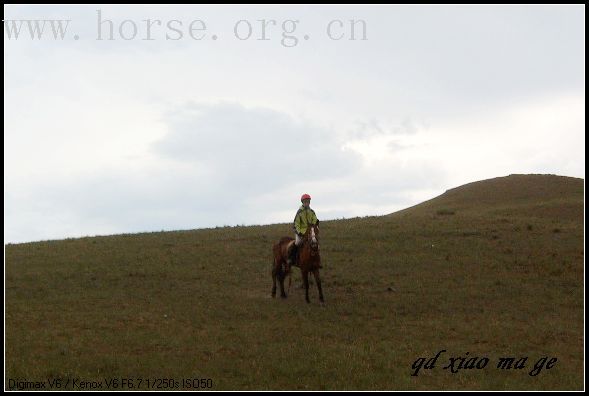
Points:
(149, 118)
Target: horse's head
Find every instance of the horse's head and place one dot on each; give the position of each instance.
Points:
(313, 237)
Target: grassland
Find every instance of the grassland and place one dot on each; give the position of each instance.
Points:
(492, 269)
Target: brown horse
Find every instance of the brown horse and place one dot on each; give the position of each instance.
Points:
(308, 260)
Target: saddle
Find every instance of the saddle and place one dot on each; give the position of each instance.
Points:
(289, 247)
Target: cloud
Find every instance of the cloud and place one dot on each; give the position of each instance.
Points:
(386, 127)
(248, 150)
(213, 162)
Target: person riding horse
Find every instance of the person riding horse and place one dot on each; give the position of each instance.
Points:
(302, 252)
(304, 218)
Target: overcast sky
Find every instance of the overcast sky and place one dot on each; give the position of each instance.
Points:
(148, 118)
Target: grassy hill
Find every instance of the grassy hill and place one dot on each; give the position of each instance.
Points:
(491, 269)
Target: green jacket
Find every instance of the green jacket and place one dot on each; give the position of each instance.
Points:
(303, 219)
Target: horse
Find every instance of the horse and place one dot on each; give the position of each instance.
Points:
(308, 260)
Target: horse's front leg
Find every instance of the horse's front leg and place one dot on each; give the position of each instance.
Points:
(306, 284)
(318, 280)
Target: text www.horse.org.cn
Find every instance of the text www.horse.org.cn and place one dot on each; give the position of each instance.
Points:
(287, 30)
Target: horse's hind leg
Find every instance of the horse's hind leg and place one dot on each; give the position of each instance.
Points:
(281, 276)
(274, 280)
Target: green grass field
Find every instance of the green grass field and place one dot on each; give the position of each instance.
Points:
(491, 269)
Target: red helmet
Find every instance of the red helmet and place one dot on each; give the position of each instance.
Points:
(305, 196)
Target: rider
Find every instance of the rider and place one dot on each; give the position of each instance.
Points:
(304, 218)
